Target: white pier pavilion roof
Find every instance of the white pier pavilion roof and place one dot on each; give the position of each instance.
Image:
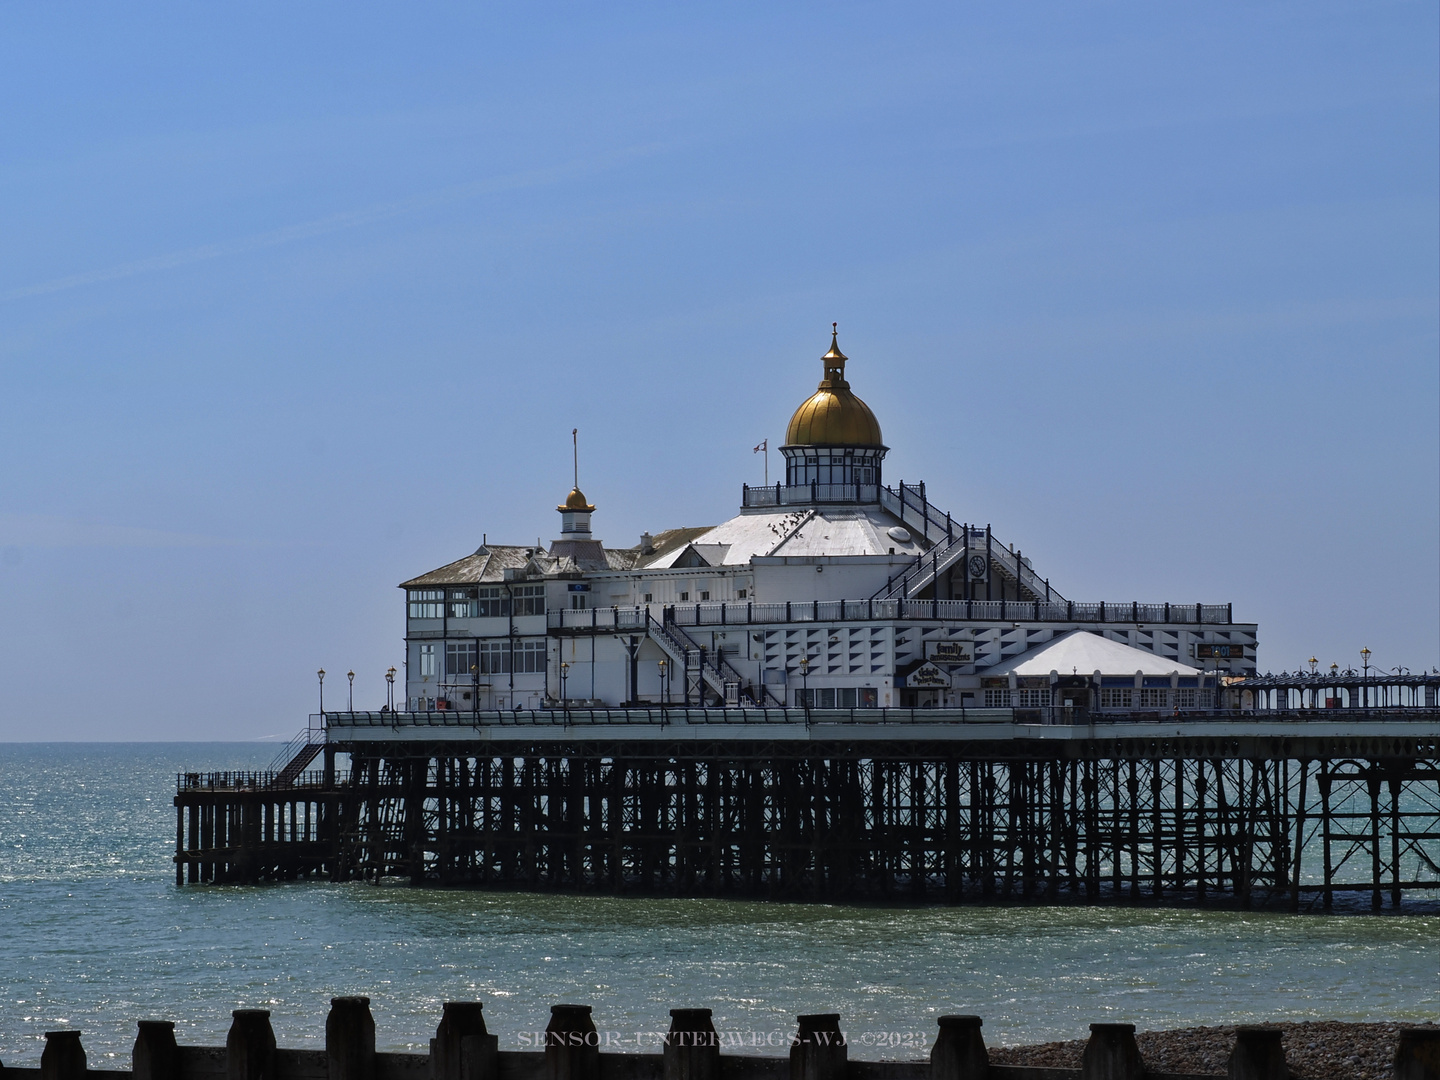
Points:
(1084, 652)
(811, 531)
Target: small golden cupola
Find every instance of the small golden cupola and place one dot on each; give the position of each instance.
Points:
(575, 511)
(833, 443)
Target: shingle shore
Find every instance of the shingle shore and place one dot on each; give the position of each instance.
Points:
(1315, 1050)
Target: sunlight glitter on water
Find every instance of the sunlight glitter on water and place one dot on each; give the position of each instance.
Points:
(94, 935)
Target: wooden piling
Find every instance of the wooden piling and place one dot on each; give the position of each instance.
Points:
(250, 1046)
(819, 1051)
(692, 1048)
(463, 1049)
(1417, 1057)
(63, 1057)
(1111, 1054)
(572, 1045)
(155, 1055)
(350, 1039)
(1259, 1054)
(959, 1052)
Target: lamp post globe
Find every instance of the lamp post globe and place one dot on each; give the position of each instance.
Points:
(351, 676)
(321, 676)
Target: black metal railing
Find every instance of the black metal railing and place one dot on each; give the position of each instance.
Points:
(751, 613)
(256, 779)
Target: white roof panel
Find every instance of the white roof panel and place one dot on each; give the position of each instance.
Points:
(1084, 652)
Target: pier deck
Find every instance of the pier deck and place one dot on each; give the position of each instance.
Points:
(928, 806)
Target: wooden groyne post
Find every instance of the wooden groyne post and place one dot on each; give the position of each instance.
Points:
(573, 1049)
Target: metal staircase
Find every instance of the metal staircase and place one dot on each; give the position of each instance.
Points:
(290, 762)
(950, 543)
(712, 669)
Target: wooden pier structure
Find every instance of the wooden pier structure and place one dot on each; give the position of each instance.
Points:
(1301, 809)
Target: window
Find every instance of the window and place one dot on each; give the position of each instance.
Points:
(459, 658)
(427, 660)
(997, 699)
(1154, 699)
(1031, 699)
(577, 601)
(705, 595)
(494, 657)
(529, 599)
(648, 597)
(740, 594)
(426, 603)
(530, 656)
(462, 603)
(491, 603)
(1185, 699)
(831, 697)
(1116, 697)
(684, 596)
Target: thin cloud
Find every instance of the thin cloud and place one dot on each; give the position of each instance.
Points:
(334, 223)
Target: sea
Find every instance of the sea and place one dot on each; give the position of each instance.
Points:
(95, 935)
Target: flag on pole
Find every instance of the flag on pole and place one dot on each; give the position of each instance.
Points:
(764, 445)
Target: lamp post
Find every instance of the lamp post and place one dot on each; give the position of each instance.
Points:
(805, 683)
(1365, 674)
(321, 676)
(351, 676)
(1313, 664)
(390, 689)
(564, 674)
(475, 679)
(664, 690)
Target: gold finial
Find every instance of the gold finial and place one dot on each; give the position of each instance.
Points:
(576, 499)
(834, 362)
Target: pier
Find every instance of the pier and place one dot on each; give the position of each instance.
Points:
(1298, 809)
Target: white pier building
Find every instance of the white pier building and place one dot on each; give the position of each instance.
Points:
(831, 590)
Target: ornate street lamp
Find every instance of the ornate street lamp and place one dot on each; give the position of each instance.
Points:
(1313, 665)
(805, 682)
(321, 676)
(390, 688)
(1365, 662)
(564, 673)
(664, 688)
(351, 676)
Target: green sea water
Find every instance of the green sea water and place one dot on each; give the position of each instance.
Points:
(94, 935)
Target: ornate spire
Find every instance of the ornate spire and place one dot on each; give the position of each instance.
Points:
(834, 362)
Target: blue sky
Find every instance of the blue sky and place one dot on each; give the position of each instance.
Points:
(298, 301)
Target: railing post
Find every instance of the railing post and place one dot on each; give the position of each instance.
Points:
(572, 1045)
(959, 1052)
(63, 1057)
(1258, 1055)
(155, 1055)
(692, 1051)
(350, 1039)
(1111, 1054)
(819, 1051)
(250, 1046)
(1417, 1057)
(462, 1048)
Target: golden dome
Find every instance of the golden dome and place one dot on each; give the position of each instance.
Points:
(833, 416)
(576, 501)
